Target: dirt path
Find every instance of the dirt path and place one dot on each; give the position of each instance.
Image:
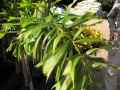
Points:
(104, 28)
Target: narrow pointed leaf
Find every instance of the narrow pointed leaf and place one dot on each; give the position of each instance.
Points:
(83, 19)
(96, 59)
(46, 36)
(75, 62)
(58, 85)
(99, 71)
(78, 74)
(67, 12)
(98, 64)
(60, 67)
(66, 83)
(48, 48)
(93, 24)
(26, 46)
(36, 46)
(10, 47)
(113, 66)
(82, 83)
(78, 33)
(89, 40)
(51, 62)
(91, 51)
(57, 39)
(2, 34)
(38, 27)
(68, 68)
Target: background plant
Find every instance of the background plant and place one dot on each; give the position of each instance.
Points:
(107, 4)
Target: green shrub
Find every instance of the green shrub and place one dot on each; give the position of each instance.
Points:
(107, 4)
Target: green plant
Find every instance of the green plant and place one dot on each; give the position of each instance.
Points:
(107, 4)
(39, 29)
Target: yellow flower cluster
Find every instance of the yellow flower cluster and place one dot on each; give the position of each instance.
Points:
(92, 33)
(87, 33)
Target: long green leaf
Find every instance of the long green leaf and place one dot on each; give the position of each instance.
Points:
(71, 17)
(68, 68)
(93, 24)
(91, 51)
(99, 70)
(67, 12)
(98, 64)
(82, 83)
(78, 32)
(96, 59)
(57, 39)
(113, 66)
(48, 50)
(7, 25)
(58, 85)
(49, 46)
(26, 47)
(51, 62)
(21, 18)
(75, 62)
(36, 46)
(10, 47)
(46, 36)
(87, 40)
(77, 75)
(38, 27)
(60, 67)
(2, 34)
(83, 19)
(66, 83)
(20, 49)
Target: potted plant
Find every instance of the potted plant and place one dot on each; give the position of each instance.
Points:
(44, 37)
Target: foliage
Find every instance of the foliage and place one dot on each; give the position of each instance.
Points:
(107, 4)
(38, 29)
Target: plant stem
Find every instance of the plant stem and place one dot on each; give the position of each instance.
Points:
(24, 69)
(87, 68)
(29, 75)
(76, 47)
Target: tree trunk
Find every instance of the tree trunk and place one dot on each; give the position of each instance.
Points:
(26, 71)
